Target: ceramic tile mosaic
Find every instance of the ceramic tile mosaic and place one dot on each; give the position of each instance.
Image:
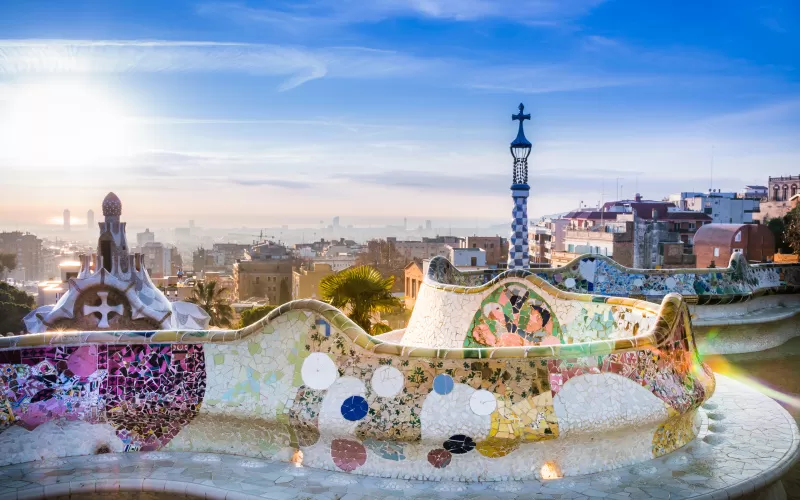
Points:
(521, 312)
(601, 275)
(725, 461)
(765, 297)
(306, 378)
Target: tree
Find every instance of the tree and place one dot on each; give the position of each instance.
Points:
(8, 262)
(214, 301)
(384, 256)
(792, 233)
(778, 227)
(285, 295)
(250, 316)
(14, 305)
(361, 292)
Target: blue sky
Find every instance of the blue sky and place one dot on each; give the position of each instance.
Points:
(245, 113)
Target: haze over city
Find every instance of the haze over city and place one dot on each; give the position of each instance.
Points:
(251, 114)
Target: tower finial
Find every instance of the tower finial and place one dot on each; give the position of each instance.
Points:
(521, 140)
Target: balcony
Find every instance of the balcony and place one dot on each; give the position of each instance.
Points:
(575, 234)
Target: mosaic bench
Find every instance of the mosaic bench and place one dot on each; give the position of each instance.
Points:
(740, 308)
(573, 395)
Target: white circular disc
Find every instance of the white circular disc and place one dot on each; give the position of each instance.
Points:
(670, 282)
(319, 371)
(483, 402)
(569, 282)
(387, 381)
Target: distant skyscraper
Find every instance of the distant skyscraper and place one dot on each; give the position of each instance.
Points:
(66, 220)
(428, 225)
(191, 224)
(90, 219)
(405, 223)
(336, 221)
(144, 238)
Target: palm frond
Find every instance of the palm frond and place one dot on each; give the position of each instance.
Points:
(361, 292)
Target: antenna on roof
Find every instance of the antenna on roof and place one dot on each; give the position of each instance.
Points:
(711, 187)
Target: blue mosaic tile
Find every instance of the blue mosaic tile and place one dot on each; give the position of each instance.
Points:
(354, 408)
(443, 384)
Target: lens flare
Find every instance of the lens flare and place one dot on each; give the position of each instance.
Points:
(722, 366)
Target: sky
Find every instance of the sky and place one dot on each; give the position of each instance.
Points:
(270, 112)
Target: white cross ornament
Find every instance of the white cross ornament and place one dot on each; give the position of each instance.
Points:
(104, 309)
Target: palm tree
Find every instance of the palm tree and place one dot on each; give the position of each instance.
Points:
(361, 292)
(213, 300)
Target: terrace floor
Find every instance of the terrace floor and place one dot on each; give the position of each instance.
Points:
(746, 442)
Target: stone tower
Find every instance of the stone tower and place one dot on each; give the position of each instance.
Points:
(518, 251)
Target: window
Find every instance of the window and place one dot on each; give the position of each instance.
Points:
(473, 261)
(738, 237)
(257, 280)
(716, 252)
(692, 225)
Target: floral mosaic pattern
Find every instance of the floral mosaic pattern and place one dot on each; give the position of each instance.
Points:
(513, 315)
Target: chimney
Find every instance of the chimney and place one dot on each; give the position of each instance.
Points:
(638, 197)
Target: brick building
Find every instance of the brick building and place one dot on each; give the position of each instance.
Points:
(717, 242)
(496, 248)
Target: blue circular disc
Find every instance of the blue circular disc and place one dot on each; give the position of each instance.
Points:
(443, 384)
(354, 408)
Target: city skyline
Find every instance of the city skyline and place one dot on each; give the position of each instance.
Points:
(222, 112)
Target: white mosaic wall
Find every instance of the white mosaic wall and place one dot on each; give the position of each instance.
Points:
(442, 318)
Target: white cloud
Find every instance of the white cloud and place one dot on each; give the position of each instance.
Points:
(309, 16)
(296, 64)
(532, 79)
(769, 113)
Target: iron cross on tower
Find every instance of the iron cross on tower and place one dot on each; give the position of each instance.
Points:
(519, 116)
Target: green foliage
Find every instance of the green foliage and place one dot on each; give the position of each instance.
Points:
(285, 294)
(792, 233)
(250, 316)
(778, 228)
(361, 292)
(14, 305)
(214, 301)
(8, 262)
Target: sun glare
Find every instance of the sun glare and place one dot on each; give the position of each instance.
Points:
(63, 124)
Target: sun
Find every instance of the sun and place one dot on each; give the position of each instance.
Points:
(62, 124)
